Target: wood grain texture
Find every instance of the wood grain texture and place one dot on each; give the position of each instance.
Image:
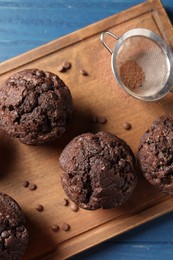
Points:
(50, 154)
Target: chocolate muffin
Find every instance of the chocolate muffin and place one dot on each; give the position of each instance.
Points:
(13, 234)
(35, 106)
(155, 154)
(99, 171)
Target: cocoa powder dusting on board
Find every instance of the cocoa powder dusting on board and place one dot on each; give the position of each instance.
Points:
(131, 74)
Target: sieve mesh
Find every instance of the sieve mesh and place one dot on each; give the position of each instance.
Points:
(150, 57)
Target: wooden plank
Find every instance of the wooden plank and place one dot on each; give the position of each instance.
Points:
(40, 164)
(97, 235)
(164, 25)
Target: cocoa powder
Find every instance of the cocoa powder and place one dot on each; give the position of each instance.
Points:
(131, 74)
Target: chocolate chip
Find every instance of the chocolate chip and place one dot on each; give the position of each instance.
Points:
(61, 68)
(65, 226)
(127, 126)
(65, 202)
(74, 207)
(55, 228)
(99, 119)
(102, 120)
(83, 72)
(25, 184)
(39, 208)
(67, 65)
(5, 234)
(32, 186)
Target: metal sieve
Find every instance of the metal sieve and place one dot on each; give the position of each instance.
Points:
(147, 62)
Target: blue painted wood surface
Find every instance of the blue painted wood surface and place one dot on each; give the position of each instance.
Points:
(25, 24)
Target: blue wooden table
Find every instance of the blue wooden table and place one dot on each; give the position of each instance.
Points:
(25, 24)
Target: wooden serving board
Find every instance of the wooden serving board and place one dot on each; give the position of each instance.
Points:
(96, 94)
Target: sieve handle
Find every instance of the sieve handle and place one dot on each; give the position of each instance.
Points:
(104, 43)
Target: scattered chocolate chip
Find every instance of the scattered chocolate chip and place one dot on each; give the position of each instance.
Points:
(25, 184)
(74, 207)
(99, 119)
(83, 72)
(127, 126)
(67, 65)
(55, 228)
(102, 120)
(65, 202)
(61, 68)
(65, 226)
(39, 208)
(32, 186)
(64, 66)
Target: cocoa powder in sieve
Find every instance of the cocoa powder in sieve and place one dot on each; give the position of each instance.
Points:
(131, 74)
